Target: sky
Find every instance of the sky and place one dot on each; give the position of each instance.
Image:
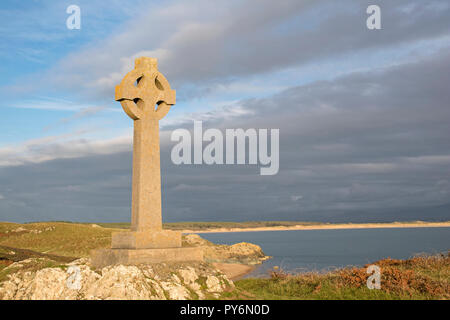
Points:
(363, 114)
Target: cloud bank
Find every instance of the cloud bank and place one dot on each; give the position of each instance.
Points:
(367, 146)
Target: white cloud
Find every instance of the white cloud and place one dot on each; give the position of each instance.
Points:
(61, 147)
(47, 103)
(221, 113)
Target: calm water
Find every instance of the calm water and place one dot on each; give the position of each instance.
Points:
(306, 250)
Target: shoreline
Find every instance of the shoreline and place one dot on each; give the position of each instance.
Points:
(337, 226)
(234, 271)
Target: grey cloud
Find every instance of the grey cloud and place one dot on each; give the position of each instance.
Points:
(69, 145)
(363, 147)
(237, 39)
(82, 113)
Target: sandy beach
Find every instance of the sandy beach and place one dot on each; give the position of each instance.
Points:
(328, 227)
(234, 271)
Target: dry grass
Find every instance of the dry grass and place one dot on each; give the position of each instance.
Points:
(422, 277)
(219, 224)
(426, 276)
(59, 238)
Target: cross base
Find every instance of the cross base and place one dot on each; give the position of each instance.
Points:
(106, 257)
(151, 239)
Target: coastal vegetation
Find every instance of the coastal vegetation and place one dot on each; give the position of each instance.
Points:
(44, 245)
(421, 277)
(218, 225)
(208, 226)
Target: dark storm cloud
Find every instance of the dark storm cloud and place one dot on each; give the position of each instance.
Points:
(222, 42)
(91, 188)
(364, 147)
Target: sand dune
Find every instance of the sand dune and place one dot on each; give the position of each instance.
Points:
(328, 226)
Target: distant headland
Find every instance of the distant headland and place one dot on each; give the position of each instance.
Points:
(254, 226)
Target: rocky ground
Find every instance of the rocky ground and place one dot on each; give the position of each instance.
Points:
(30, 269)
(50, 261)
(78, 280)
(242, 253)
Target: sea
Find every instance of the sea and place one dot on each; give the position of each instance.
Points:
(297, 251)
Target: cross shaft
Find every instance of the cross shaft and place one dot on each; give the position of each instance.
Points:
(146, 97)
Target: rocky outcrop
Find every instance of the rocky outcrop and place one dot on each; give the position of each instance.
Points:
(77, 280)
(28, 274)
(243, 252)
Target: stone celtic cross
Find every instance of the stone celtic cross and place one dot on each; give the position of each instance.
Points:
(146, 97)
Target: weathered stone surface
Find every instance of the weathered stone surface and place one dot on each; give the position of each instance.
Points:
(104, 257)
(177, 281)
(146, 97)
(146, 240)
(243, 252)
(213, 284)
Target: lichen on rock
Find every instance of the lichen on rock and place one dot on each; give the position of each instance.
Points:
(243, 252)
(177, 281)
